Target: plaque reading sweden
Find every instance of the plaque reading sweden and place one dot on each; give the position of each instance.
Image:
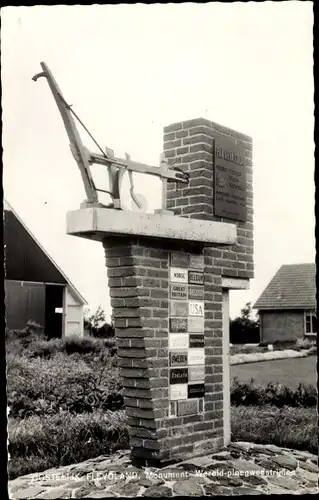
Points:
(178, 325)
(178, 376)
(195, 277)
(229, 180)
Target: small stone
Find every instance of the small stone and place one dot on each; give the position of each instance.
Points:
(245, 465)
(284, 482)
(187, 487)
(130, 490)
(241, 446)
(267, 464)
(309, 466)
(145, 482)
(101, 494)
(56, 493)
(247, 491)
(213, 489)
(285, 462)
(222, 466)
(254, 480)
(229, 481)
(158, 491)
(219, 456)
(84, 491)
(261, 449)
(28, 492)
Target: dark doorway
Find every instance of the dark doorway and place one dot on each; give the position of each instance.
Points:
(53, 318)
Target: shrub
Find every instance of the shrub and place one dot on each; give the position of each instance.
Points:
(37, 444)
(72, 345)
(305, 343)
(294, 428)
(273, 394)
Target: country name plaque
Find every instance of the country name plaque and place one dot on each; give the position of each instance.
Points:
(196, 340)
(196, 292)
(177, 325)
(195, 324)
(196, 373)
(178, 275)
(196, 261)
(179, 259)
(196, 308)
(179, 291)
(178, 376)
(196, 357)
(178, 391)
(178, 358)
(195, 390)
(178, 341)
(187, 408)
(195, 277)
(178, 308)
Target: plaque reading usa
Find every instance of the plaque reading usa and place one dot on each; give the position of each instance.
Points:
(178, 275)
(196, 308)
(196, 356)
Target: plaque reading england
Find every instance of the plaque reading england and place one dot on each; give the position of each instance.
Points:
(195, 277)
(196, 390)
(229, 179)
(178, 325)
(196, 340)
(196, 357)
(196, 292)
(196, 373)
(178, 391)
(178, 275)
(196, 261)
(178, 291)
(178, 341)
(178, 376)
(178, 308)
(187, 408)
(179, 259)
(196, 324)
(178, 358)
(196, 308)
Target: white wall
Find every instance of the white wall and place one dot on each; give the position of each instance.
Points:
(72, 315)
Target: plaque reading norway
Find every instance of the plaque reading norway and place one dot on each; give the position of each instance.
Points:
(230, 180)
(177, 325)
(178, 275)
(178, 376)
(195, 278)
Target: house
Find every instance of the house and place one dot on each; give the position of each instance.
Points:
(287, 307)
(35, 287)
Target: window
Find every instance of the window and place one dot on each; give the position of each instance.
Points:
(311, 323)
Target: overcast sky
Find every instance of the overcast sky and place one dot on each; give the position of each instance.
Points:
(129, 70)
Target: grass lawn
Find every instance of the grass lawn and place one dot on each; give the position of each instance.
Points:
(289, 372)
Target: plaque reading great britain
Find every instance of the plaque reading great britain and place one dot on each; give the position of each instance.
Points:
(230, 179)
(178, 291)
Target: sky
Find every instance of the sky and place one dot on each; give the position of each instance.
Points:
(130, 70)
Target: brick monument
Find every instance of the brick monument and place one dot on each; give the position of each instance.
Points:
(169, 276)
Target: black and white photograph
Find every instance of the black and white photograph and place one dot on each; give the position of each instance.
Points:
(159, 250)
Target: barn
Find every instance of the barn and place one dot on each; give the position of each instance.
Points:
(35, 287)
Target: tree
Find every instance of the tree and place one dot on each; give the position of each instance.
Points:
(97, 325)
(244, 329)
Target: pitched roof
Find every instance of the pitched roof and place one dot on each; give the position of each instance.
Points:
(8, 208)
(292, 287)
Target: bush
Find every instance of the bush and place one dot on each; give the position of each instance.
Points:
(37, 444)
(294, 428)
(72, 345)
(273, 394)
(305, 343)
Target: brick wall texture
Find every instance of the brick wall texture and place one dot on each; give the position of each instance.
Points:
(283, 326)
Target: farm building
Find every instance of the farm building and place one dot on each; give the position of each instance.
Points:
(35, 287)
(287, 307)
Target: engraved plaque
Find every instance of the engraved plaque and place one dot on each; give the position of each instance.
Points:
(178, 325)
(196, 324)
(196, 357)
(196, 292)
(178, 341)
(178, 358)
(178, 291)
(196, 308)
(196, 261)
(196, 373)
(230, 189)
(195, 277)
(187, 407)
(178, 275)
(178, 308)
(179, 259)
(196, 390)
(178, 391)
(196, 340)
(178, 376)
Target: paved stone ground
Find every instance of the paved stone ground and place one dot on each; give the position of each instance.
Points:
(239, 469)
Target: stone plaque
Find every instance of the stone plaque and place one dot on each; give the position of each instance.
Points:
(178, 391)
(178, 341)
(196, 292)
(178, 275)
(196, 324)
(196, 340)
(187, 408)
(230, 189)
(196, 261)
(178, 376)
(178, 308)
(179, 291)
(178, 325)
(196, 390)
(196, 357)
(179, 259)
(196, 308)
(196, 373)
(178, 358)
(195, 277)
